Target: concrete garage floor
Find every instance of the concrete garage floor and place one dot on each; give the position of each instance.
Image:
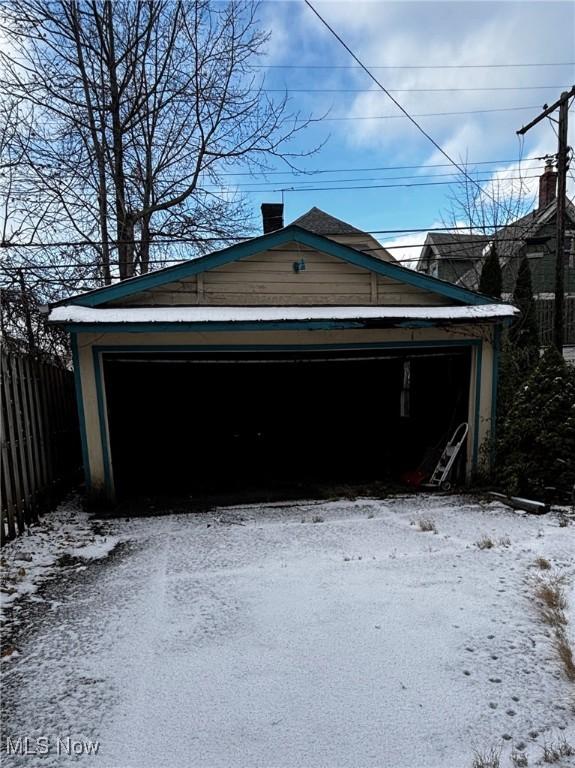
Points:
(311, 634)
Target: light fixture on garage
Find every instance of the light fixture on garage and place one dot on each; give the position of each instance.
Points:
(299, 266)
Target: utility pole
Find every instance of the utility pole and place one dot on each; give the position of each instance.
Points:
(562, 166)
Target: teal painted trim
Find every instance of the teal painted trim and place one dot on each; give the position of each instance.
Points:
(494, 388)
(248, 248)
(286, 347)
(479, 360)
(81, 415)
(258, 325)
(417, 324)
(103, 422)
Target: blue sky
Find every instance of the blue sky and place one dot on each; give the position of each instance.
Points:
(401, 34)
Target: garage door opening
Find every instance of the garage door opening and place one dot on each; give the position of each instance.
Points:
(223, 422)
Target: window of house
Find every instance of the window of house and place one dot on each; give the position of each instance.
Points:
(570, 248)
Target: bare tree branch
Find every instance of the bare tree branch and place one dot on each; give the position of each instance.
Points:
(139, 109)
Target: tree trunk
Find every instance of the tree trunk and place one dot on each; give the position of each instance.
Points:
(145, 245)
(124, 222)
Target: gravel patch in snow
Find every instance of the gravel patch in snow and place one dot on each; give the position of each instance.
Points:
(63, 537)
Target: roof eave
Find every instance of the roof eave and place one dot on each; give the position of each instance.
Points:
(256, 245)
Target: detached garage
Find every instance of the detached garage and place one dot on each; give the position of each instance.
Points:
(286, 358)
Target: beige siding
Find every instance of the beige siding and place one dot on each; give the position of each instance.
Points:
(390, 292)
(269, 278)
(179, 293)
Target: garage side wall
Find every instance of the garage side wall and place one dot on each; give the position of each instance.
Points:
(90, 347)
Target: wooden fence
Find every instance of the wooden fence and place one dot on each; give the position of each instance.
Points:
(545, 314)
(39, 439)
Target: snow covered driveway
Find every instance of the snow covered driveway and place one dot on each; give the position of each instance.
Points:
(327, 634)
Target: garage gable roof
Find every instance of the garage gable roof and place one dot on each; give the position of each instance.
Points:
(291, 233)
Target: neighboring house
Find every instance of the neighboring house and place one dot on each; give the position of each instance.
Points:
(316, 220)
(286, 358)
(458, 257)
(450, 255)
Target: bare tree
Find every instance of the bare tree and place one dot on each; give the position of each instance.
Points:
(488, 206)
(22, 209)
(23, 326)
(140, 108)
(485, 217)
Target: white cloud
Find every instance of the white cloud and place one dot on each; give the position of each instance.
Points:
(406, 248)
(388, 34)
(459, 34)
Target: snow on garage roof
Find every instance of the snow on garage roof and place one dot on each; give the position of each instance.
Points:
(202, 314)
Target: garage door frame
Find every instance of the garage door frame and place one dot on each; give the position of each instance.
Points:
(476, 346)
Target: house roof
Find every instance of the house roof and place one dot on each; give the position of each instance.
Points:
(71, 315)
(289, 234)
(511, 238)
(322, 223)
(454, 245)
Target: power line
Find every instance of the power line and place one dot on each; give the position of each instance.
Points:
(413, 90)
(397, 104)
(377, 168)
(401, 185)
(244, 184)
(416, 66)
(94, 265)
(297, 252)
(405, 185)
(174, 262)
(54, 121)
(241, 238)
(424, 114)
(510, 165)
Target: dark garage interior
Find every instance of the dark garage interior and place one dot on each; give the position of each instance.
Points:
(224, 422)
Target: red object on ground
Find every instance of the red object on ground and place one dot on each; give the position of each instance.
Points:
(414, 477)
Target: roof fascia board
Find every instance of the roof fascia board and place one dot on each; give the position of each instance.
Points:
(436, 252)
(569, 212)
(278, 325)
(248, 248)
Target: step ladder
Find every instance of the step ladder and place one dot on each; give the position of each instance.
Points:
(439, 478)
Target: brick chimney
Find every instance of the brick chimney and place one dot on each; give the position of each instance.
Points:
(272, 216)
(547, 185)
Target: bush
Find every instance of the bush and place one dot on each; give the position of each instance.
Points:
(491, 281)
(520, 347)
(537, 442)
(524, 332)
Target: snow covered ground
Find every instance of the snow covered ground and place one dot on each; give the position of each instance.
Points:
(320, 634)
(64, 536)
